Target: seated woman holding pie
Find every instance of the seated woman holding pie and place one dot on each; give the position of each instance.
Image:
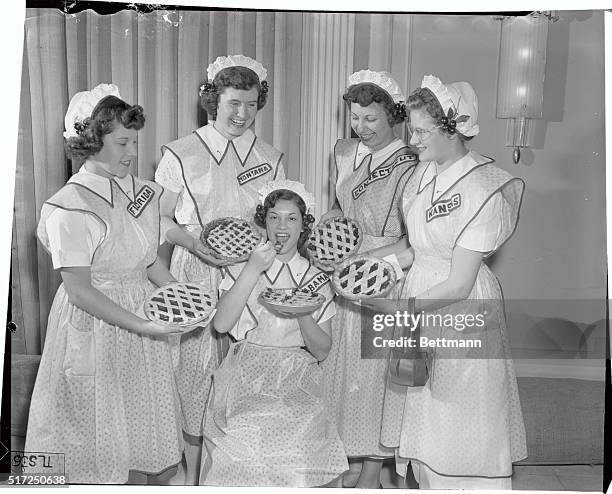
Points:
(266, 423)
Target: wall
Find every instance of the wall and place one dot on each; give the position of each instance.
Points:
(558, 249)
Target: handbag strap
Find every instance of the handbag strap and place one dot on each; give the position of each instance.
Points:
(412, 332)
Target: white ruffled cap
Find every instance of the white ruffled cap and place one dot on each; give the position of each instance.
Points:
(82, 105)
(459, 96)
(381, 79)
(291, 185)
(236, 61)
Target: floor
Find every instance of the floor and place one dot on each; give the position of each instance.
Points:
(582, 478)
(559, 478)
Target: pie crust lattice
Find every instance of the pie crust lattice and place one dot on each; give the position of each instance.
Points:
(363, 277)
(334, 240)
(231, 238)
(179, 304)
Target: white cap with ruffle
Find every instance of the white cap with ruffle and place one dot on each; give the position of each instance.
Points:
(381, 79)
(459, 102)
(82, 106)
(236, 61)
(293, 186)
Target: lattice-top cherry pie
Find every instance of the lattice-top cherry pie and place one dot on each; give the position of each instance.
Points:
(294, 300)
(179, 304)
(231, 238)
(362, 277)
(334, 240)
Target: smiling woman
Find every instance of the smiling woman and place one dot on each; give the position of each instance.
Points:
(102, 357)
(117, 153)
(107, 137)
(373, 115)
(215, 171)
(236, 111)
(286, 221)
(266, 422)
(464, 427)
(370, 174)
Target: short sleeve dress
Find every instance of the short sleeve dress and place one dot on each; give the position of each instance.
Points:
(267, 423)
(213, 178)
(466, 422)
(104, 396)
(355, 387)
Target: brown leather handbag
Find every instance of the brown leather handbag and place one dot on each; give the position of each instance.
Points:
(408, 366)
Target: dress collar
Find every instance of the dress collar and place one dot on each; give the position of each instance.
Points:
(102, 185)
(445, 179)
(297, 266)
(218, 144)
(378, 157)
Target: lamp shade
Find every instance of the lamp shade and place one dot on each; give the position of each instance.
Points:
(522, 63)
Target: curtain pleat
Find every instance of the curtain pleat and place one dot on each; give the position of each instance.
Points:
(159, 61)
(18, 343)
(157, 87)
(124, 55)
(325, 58)
(24, 275)
(217, 46)
(265, 54)
(46, 56)
(76, 76)
(193, 48)
(288, 88)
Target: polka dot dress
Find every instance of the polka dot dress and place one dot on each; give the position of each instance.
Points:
(267, 423)
(104, 396)
(354, 386)
(467, 419)
(199, 355)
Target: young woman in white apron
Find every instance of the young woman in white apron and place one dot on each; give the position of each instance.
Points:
(267, 423)
(213, 172)
(105, 393)
(464, 428)
(370, 174)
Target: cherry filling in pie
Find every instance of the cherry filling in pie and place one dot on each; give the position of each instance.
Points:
(292, 297)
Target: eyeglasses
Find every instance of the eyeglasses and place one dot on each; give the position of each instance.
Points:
(421, 134)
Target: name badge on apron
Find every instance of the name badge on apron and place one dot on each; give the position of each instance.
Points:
(315, 284)
(141, 201)
(443, 208)
(253, 173)
(380, 173)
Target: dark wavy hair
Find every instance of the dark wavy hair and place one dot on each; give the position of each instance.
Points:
(108, 113)
(288, 195)
(424, 100)
(366, 93)
(237, 77)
